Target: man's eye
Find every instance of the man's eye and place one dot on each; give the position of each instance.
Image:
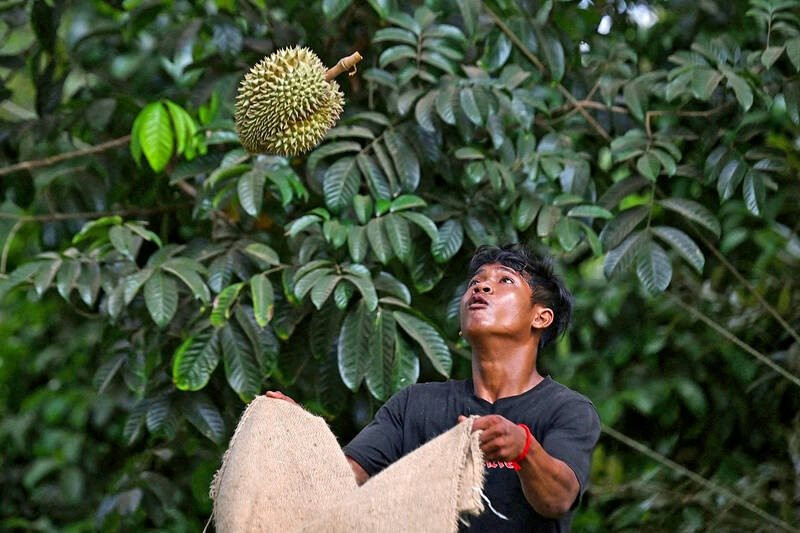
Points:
(507, 280)
(472, 282)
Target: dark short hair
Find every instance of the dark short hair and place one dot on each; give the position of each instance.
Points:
(537, 270)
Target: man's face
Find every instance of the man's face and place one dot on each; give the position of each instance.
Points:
(497, 302)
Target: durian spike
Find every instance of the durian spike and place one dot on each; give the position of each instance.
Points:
(344, 64)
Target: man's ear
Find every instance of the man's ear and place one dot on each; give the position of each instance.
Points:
(542, 317)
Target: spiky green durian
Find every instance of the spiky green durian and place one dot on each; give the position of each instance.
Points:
(285, 106)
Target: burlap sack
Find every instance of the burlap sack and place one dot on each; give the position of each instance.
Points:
(284, 471)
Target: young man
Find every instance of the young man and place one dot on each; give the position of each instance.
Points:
(537, 435)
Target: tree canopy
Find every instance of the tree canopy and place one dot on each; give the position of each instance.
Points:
(155, 276)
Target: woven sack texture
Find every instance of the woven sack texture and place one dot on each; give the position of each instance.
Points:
(284, 471)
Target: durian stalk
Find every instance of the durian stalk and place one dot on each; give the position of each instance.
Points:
(346, 63)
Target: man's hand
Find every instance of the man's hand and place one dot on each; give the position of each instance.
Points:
(501, 440)
(278, 395)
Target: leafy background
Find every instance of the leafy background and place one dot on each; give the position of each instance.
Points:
(155, 276)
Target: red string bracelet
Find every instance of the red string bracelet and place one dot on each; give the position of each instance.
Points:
(525, 449)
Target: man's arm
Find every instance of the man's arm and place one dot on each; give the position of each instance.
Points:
(361, 475)
(549, 485)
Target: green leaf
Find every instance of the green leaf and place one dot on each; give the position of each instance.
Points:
(394, 35)
(405, 367)
(195, 360)
(444, 106)
(590, 211)
(683, 244)
(88, 283)
(189, 277)
(496, 51)
(342, 294)
(406, 201)
(771, 55)
(124, 241)
(341, 184)
(649, 166)
(405, 160)
(620, 226)
(307, 281)
(429, 339)
(45, 275)
(322, 290)
(381, 357)
(396, 53)
(298, 225)
(221, 309)
(635, 96)
(693, 396)
(262, 253)
(448, 241)
(134, 282)
(399, 235)
(105, 373)
(553, 52)
(240, 366)
(92, 229)
(438, 60)
(362, 205)
(753, 192)
(378, 240)
(406, 100)
(568, 232)
(353, 347)
(155, 135)
(525, 212)
(694, 212)
(251, 190)
(653, 268)
(376, 180)
(704, 81)
(423, 111)
(331, 148)
(366, 288)
(470, 107)
(793, 51)
(333, 8)
(423, 222)
(729, 178)
(548, 218)
(357, 243)
(742, 90)
(161, 298)
(621, 258)
(67, 277)
(263, 298)
(203, 415)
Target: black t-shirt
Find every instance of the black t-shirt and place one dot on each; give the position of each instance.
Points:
(564, 422)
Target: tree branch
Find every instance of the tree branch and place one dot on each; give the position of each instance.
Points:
(736, 340)
(52, 160)
(535, 60)
(682, 470)
(93, 214)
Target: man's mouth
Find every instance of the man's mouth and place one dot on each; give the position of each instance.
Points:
(476, 302)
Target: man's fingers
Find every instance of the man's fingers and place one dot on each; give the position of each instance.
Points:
(461, 418)
(278, 395)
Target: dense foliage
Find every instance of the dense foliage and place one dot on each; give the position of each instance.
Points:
(156, 276)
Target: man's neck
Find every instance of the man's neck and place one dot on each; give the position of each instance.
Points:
(502, 369)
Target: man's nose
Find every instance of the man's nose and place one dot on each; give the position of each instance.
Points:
(482, 287)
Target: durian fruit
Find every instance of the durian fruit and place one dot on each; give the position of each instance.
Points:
(286, 104)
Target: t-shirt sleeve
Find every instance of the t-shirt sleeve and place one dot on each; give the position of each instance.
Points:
(571, 438)
(380, 443)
